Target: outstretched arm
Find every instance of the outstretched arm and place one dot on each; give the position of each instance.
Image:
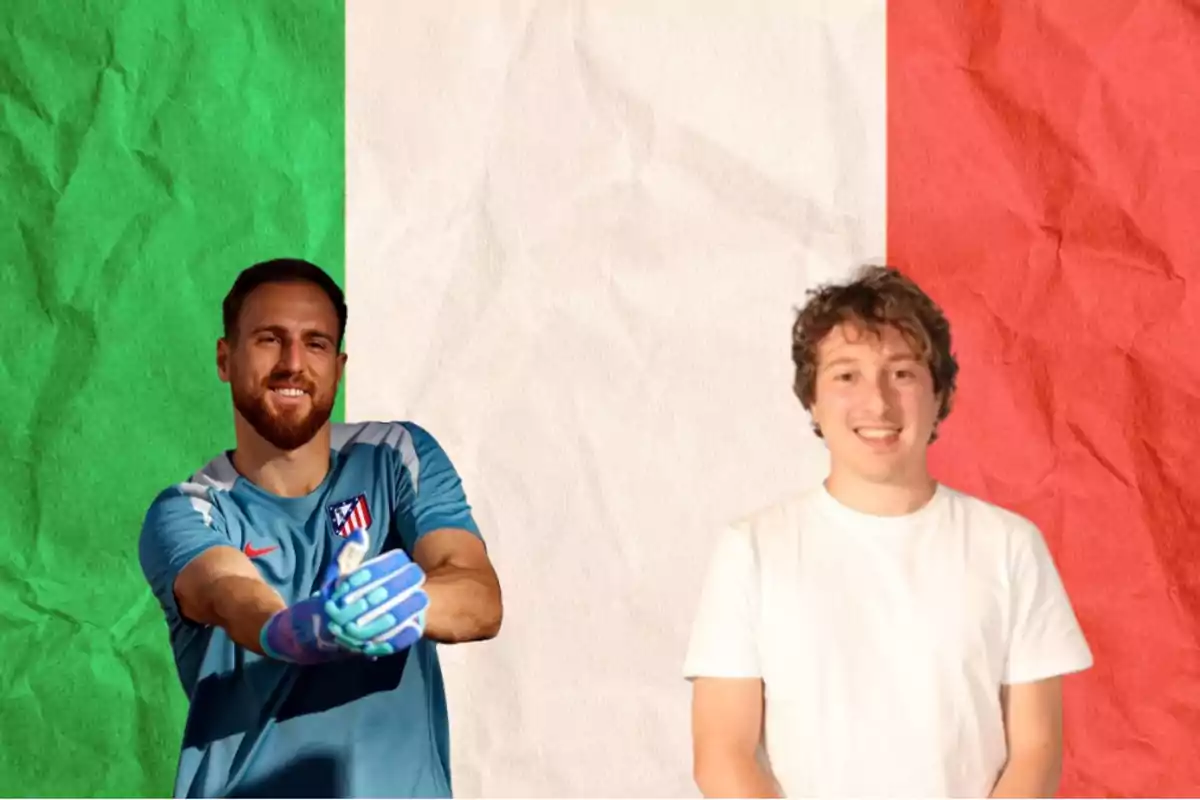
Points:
(465, 603)
(221, 587)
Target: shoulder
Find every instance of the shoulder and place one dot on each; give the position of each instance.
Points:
(183, 520)
(781, 521)
(981, 511)
(403, 436)
(196, 497)
(982, 520)
(378, 433)
(976, 511)
(783, 514)
(402, 448)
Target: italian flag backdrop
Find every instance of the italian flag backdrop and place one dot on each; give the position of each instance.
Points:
(572, 236)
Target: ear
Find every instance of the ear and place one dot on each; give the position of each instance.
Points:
(223, 360)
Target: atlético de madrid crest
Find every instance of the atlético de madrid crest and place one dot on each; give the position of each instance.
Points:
(348, 516)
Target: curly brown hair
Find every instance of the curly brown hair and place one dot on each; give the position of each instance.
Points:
(878, 296)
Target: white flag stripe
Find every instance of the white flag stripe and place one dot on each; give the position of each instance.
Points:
(575, 237)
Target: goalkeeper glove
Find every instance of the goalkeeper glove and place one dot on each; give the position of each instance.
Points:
(373, 609)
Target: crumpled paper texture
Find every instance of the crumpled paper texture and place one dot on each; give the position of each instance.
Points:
(576, 233)
(149, 151)
(577, 265)
(1043, 183)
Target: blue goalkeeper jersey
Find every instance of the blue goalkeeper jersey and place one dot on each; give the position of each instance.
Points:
(257, 727)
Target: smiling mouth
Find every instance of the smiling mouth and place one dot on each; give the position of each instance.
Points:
(876, 434)
(289, 391)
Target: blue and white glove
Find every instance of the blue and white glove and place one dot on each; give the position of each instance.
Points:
(376, 608)
(380, 608)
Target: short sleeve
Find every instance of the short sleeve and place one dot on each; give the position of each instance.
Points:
(1045, 639)
(181, 523)
(724, 637)
(437, 498)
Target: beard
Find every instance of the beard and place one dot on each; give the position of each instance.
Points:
(288, 430)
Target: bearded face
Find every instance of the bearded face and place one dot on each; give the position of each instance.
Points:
(282, 366)
(287, 409)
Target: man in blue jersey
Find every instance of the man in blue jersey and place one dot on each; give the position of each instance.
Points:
(307, 575)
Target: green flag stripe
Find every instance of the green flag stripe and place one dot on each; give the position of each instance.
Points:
(149, 151)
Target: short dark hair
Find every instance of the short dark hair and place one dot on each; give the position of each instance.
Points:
(877, 296)
(281, 270)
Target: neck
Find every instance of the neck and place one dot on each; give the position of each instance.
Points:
(286, 473)
(888, 498)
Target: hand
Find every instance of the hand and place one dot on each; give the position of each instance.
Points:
(374, 609)
(300, 634)
(379, 609)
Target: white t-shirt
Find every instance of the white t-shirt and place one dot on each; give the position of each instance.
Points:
(882, 642)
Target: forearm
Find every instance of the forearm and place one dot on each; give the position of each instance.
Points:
(242, 606)
(464, 605)
(1033, 774)
(735, 776)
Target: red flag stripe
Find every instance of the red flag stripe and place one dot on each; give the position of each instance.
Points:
(1044, 186)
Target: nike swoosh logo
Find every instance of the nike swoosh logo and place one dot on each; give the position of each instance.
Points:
(255, 552)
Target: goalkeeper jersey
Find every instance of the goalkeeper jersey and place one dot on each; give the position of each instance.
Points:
(261, 727)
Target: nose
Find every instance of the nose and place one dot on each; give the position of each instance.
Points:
(880, 396)
(290, 356)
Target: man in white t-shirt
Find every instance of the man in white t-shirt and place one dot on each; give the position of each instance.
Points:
(881, 634)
